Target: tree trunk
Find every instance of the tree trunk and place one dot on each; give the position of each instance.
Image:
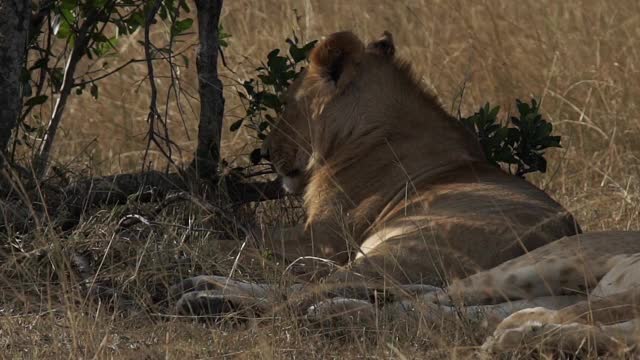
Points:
(14, 28)
(207, 154)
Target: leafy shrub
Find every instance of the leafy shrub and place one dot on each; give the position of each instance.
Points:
(521, 145)
(265, 95)
(92, 19)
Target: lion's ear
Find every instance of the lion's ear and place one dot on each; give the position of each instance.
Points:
(383, 46)
(336, 57)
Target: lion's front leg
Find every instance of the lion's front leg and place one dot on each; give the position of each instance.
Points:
(287, 242)
(318, 239)
(210, 295)
(218, 296)
(310, 251)
(303, 257)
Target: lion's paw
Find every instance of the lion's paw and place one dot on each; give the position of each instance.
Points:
(340, 312)
(204, 303)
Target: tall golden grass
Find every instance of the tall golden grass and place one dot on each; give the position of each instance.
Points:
(579, 58)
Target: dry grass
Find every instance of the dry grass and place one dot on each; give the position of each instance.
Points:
(580, 57)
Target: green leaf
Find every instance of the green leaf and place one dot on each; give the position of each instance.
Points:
(263, 126)
(25, 79)
(540, 164)
(105, 46)
(56, 75)
(297, 54)
(163, 11)
(99, 37)
(255, 156)
(271, 101)
(523, 108)
(273, 53)
(68, 4)
(267, 79)
(270, 118)
(501, 133)
(181, 26)
(551, 141)
(494, 112)
(248, 85)
(94, 91)
(36, 100)
(308, 47)
(98, 3)
(289, 75)
(277, 65)
(135, 21)
(184, 5)
(25, 75)
(236, 125)
(222, 37)
(63, 20)
(61, 29)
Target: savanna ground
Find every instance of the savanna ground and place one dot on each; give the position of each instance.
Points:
(580, 58)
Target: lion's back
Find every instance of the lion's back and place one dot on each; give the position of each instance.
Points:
(484, 218)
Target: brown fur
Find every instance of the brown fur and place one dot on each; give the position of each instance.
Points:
(395, 186)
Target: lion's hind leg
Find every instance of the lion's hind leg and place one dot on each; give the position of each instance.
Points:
(559, 268)
(603, 324)
(569, 338)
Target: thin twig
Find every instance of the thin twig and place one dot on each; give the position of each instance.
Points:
(131, 61)
(154, 114)
(79, 49)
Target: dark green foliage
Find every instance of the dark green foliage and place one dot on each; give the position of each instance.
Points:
(265, 95)
(520, 143)
(222, 37)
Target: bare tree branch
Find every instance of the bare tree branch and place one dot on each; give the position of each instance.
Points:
(158, 131)
(150, 186)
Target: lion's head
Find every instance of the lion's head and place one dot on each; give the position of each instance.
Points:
(332, 68)
(288, 144)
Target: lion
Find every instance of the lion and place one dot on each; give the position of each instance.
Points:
(399, 194)
(396, 190)
(393, 185)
